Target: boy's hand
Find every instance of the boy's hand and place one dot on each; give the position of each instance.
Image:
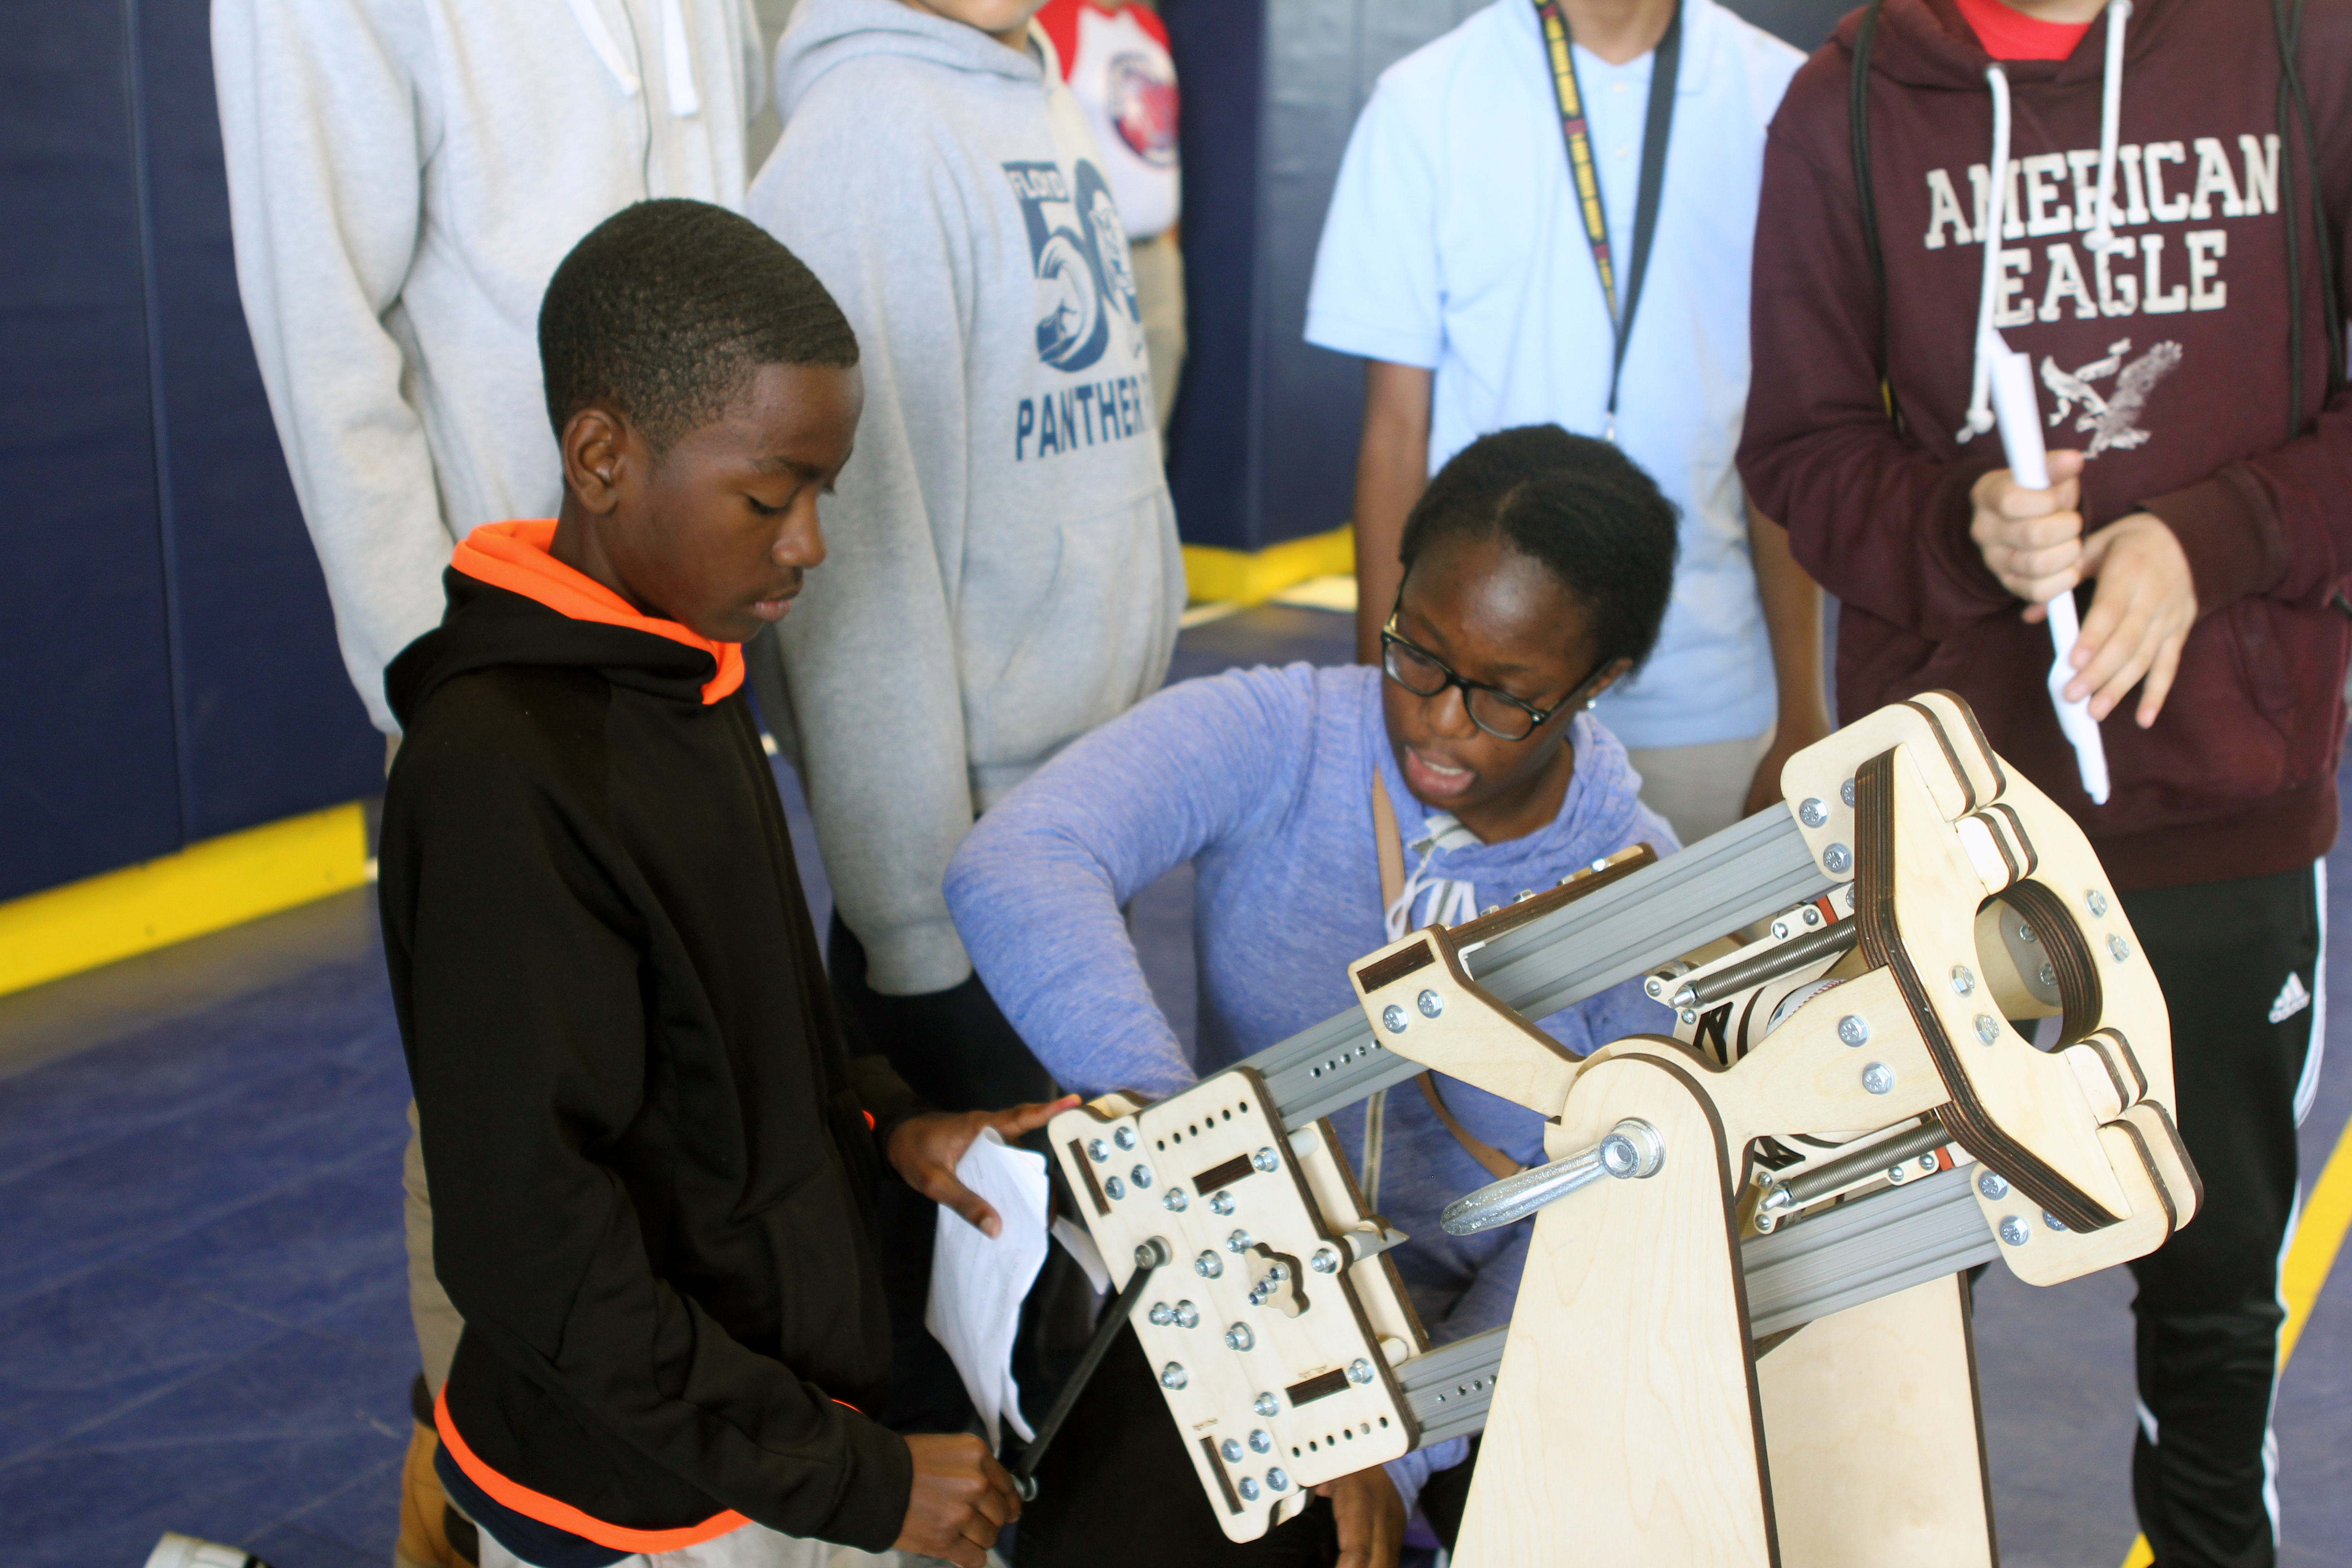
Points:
(2140, 616)
(925, 1150)
(1371, 1517)
(961, 1497)
(2031, 540)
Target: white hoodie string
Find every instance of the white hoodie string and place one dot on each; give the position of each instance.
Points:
(2101, 237)
(677, 55)
(1451, 901)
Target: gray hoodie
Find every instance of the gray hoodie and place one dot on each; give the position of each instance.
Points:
(1003, 573)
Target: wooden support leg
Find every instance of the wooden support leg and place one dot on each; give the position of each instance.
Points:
(1876, 1444)
(1625, 1428)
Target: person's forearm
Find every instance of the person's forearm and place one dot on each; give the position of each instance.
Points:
(1392, 470)
(1791, 602)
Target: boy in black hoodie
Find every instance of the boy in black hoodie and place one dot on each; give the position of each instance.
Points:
(2186, 337)
(651, 1157)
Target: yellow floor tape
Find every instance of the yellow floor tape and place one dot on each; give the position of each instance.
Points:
(2318, 1234)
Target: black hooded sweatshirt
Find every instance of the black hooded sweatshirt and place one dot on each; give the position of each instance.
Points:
(2167, 360)
(650, 1158)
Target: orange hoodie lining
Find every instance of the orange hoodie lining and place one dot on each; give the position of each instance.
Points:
(514, 556)
(563, 1515)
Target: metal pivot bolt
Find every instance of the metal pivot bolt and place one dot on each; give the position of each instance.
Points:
(1174, 1200)
(1277, 1479)
(1115, 1187)
(1267, 1160)
(1124, 1137)
(1359, 1371)
(1429, 1002)
(1838, 858)
(1964, 978)
(1992, 1186)
(1854, 1029)
(1208, 1266)
(1161, 1314)
(1878, 1077)
(1221, 1202)
(1325, 1261)
(1098, 1151)
(2013, 1231)
(1239, 1338)
(1261, 1441)
(2096, 903)
(1988, 1028)
(1632, 1150)
(1238, 1242)
(1265, 1404)
(1140, 1176)
(1187, 1316)
(1780, 930)
(1247, 1487)
(2118, 947)
(1150, 1255)
(1813, 814)
(1173, 1376)
(1232, 1449)
(1393, 1016)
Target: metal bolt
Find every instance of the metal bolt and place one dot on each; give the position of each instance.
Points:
(1988, 1028)
(2096, 903)
(2049, 972)
(1098, 1151)
(1992, 1186)
(1267, 1160)
(1845, 792)
(1393, 1016)
(2025, 932)
(1238, 1242)
(1765, 1222)
(1115, 1188)
(1928, 1164)
(1276, 1480)
(1690, 1015)
(1265, 1404)
(1172, 1375)
(1359, 1371)
(1124, 1137)
(1161, 1315)
(1187, 1316)
(1232, 1449)
(1854, 1029)
(1656, 985)
(1239, 1338)
(1208, 1266)
(1813, 814)
(1964, 978)
(2053, 1221)
(1898, 1174)
(1780, 930)
(1262, 1441)
(1221, 1202)
(1429, 1002)
(1325, 1261)
(1838, 858)
(1248, 1489)
(1174, 1200)
(1140, 1176)
(2013, 1231)
(1878, 1077)
(1812, 915)
(2118, 947)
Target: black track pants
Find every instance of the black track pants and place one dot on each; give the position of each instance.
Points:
(2239, 966)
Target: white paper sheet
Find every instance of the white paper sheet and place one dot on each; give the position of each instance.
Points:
(2018, 413)
(978, 1284)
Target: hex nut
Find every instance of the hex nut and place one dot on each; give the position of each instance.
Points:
(1394, 1017)
(2013, 1231)
(1173, 1376)
(1854, 1029)
(1992, 1186)
(1878, 1077)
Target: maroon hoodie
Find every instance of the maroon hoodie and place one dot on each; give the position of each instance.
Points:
(2169, 364)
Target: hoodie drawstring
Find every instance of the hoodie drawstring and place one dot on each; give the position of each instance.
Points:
(2101, 237)
(677, 55)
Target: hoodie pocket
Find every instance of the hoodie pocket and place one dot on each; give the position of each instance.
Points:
(832, 1327)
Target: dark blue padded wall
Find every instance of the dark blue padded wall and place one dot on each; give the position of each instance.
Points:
(167, 668)
(1262, 448)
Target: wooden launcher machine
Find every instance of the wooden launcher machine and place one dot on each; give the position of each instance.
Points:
(1742, 1336)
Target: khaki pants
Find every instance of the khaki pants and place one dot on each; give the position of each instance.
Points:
(1159, 291)
(1699, 789)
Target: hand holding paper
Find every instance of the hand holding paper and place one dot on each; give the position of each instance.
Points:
(978, 1282)
(2018, 415)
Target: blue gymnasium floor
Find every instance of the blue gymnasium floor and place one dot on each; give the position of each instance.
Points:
(203, 1308)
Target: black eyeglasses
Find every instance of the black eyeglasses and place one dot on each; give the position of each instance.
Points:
(1490, 708)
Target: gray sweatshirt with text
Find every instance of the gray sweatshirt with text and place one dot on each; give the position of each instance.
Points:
(1002, 571)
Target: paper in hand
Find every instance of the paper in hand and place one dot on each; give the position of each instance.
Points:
(2018, 415)
(978, 1283)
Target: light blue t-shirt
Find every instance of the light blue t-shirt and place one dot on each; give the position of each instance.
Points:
(1454, 243)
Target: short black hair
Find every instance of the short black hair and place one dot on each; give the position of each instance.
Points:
(665, 311)
(1580, 509)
